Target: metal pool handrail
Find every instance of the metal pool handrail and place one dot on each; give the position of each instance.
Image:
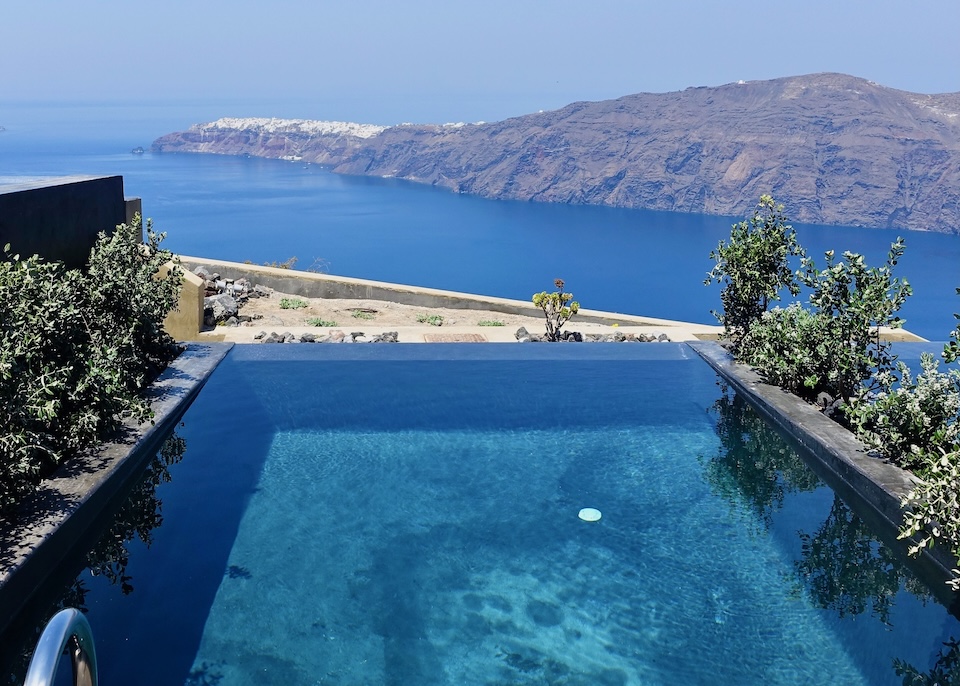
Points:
(68, 630)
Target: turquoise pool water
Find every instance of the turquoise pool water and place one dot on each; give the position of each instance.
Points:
(409, 515)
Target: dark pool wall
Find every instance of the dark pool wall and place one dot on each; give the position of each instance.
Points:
(59, 218)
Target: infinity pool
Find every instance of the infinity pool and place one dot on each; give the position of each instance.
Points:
(378, 514)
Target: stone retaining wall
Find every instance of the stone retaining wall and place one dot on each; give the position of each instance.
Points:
(311, 285)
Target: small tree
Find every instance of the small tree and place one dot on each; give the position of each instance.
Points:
(754, 267)
(557, 308)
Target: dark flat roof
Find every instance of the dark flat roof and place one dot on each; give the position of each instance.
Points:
(15, 184)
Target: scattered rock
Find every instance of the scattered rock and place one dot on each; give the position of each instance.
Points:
(829, 405)
(524, 336)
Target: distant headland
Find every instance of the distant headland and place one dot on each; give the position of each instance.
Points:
(835, 149)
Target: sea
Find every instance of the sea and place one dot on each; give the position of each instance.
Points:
(237, 208)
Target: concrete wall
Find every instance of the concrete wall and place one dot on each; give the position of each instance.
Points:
(310, 285)
(59, 218)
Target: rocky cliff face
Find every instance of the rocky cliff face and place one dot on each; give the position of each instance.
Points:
(835, 149)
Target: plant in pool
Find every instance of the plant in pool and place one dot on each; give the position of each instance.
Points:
(489, 322)
(363, 314)
(292, 303)
(432, 319)
(319, 321)
(558, 307)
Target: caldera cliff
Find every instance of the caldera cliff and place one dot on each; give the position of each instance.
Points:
(835, 149)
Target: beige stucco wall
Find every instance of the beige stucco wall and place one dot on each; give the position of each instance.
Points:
(184, 322)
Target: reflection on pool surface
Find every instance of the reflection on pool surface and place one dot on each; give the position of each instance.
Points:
(409, 515)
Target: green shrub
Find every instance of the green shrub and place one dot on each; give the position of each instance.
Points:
(857, 300)
(913, 421)
(932, 511)
(834, 347)
(432, 319)
(790, 348)
(754, 267)
(289, 263)
(951, 351)
(363, 314)
(489, 322)
(77, 349)
(318, 321)
(292, 303)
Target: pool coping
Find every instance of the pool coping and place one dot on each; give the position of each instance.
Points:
(876, 483)
(65, 506)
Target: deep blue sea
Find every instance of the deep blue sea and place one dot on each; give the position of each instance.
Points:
(630, 261)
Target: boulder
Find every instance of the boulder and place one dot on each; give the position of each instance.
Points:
(221, 306)
(203, 273)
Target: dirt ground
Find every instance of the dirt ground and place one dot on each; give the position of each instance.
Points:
(373, 314)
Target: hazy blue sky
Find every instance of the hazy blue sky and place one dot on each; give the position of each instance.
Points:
(449, 59)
